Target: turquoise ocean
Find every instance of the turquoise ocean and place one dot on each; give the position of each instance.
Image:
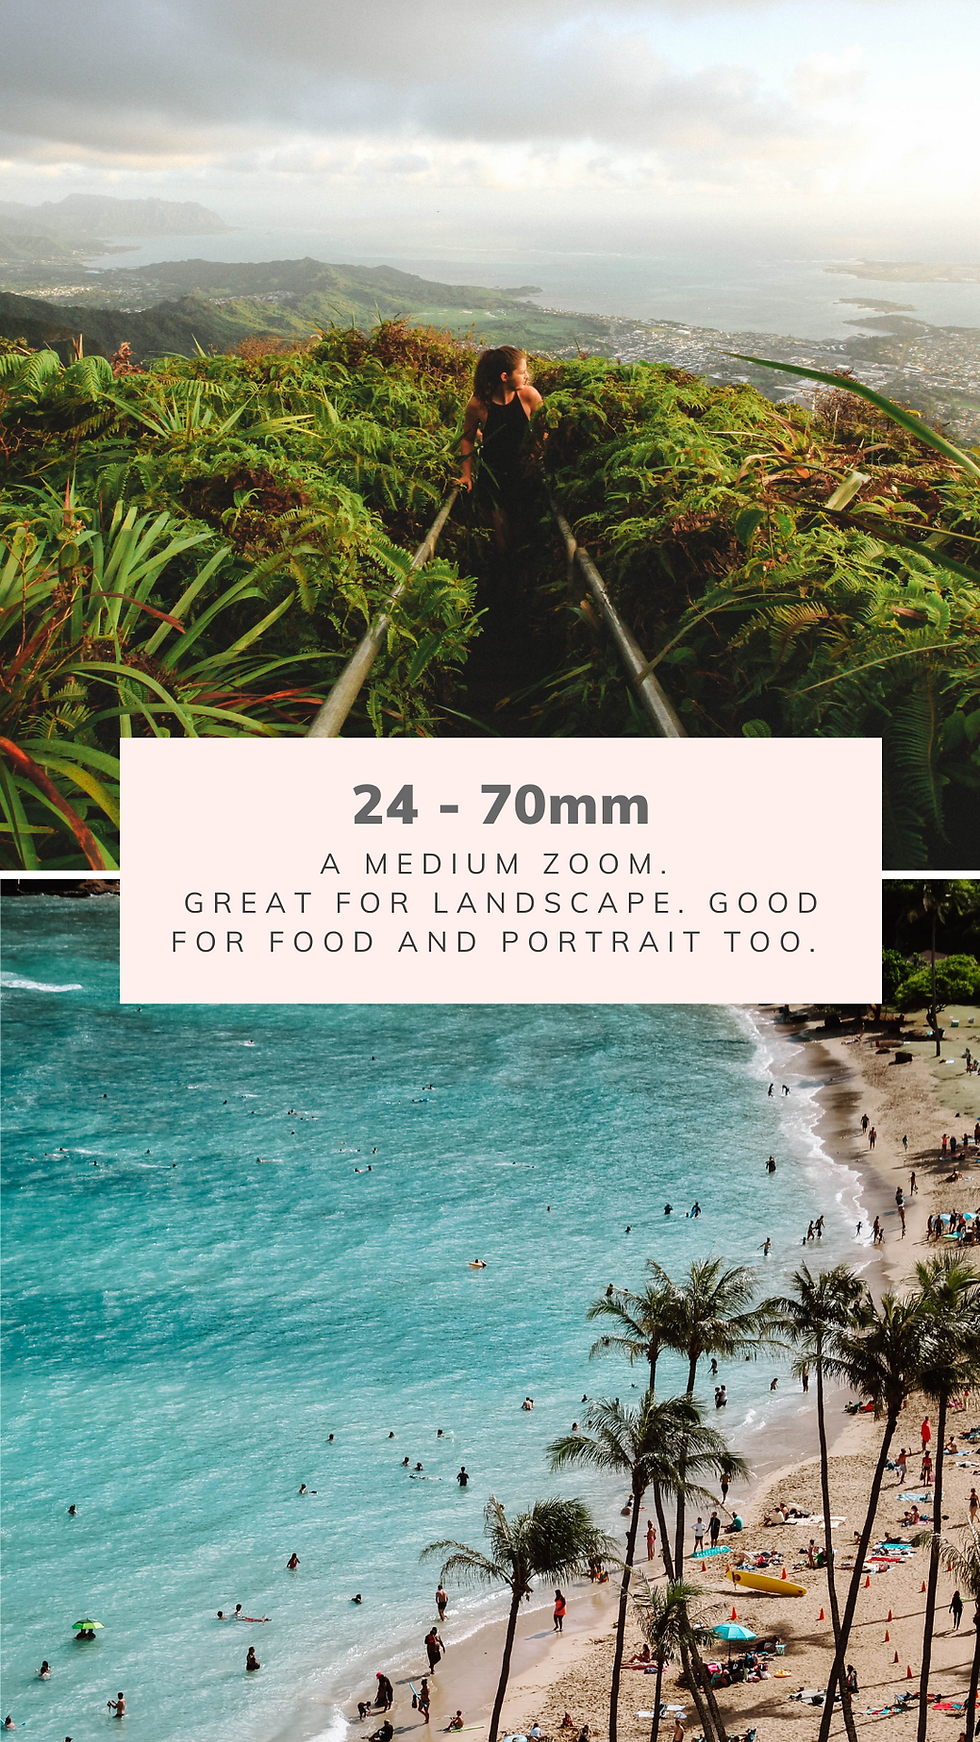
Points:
(184, 1326)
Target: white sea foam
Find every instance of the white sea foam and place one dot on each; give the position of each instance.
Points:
(13, 983)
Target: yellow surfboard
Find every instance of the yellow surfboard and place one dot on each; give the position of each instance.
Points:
(765, 1582)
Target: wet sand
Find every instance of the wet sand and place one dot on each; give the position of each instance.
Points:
(553, 1673)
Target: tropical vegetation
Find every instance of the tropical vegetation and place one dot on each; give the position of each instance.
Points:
(553, 1539)
(196, 547)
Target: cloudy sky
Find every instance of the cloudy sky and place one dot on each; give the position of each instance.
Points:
(834, 121)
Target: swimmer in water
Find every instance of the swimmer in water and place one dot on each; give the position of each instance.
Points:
(44, 1673)
(357, 1598)
(251, 1661)
(667, 1209)
(73, 1511)
(118, 1705)
(292, 1563)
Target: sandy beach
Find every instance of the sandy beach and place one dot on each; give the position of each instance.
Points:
(918, 1100)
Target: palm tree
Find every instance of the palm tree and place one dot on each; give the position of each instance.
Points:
(965, 1564)
(713, 1313)
(642, 1322)
(554, 1539)
(663, 1444)
(880, 1360)
(667, 1626)
(819, 1308)
(950, 1357)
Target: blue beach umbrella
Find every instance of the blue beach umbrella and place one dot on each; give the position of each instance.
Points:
(732, 1630)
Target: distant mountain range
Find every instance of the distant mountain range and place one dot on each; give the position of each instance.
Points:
(58, 230)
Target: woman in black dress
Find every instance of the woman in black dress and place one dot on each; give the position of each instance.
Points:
(498, 416)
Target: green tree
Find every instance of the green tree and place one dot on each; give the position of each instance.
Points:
(950, 1363)
(714, 1312)
(554, 1539)
(812, 1318)
(642, 1323)
(879, 1359)
(665, 1445)
(954, 981)
(668, 1628)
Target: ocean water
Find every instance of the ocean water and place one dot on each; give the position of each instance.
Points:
(185, 1326)
(723, 288)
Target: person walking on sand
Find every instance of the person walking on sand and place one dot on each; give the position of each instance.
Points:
(442, 1602)
(434, 1648)
(872, 1137)
(956, 1610)
(699, 1535)
(900, 1463)
(805, 1376)
(559, 1612)
(974, 1505)
(724, 1492)
(925, 1474)
(424, 1699)
(651, 1539)
(926, 1432)
(865, 1122)
(714, 1526)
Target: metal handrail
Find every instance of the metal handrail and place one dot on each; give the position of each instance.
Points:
(654, 701)
(343, 695)
(651, 696)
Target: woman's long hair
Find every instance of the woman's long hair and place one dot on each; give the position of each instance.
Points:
(490, 365)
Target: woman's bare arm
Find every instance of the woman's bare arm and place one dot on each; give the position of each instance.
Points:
(474, 417)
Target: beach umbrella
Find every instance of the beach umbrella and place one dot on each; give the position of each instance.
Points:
(732, 1630)
(88, 1626)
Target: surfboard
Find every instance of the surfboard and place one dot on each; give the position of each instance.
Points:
(765, 1582)
(703, 1553)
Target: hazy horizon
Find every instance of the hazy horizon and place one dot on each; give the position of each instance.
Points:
(779, 126)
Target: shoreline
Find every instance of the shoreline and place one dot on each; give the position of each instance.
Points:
(469, 1671)
(550, 1672)
(910, 1104)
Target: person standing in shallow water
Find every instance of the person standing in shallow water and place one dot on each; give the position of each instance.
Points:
(498, 416)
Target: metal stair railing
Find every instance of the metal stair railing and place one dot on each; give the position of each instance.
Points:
(331, 716)
(652, 698)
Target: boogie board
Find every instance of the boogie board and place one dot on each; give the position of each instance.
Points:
(765, 1582)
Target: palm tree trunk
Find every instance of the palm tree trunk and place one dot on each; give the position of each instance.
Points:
(668, 1559)
(515, 1604)
(847, 1620)
(655, 1728)
(692, 1370)
(624, 1594)
(692, 1677)
(933, 1579)
(697, 1664)
(971, 1703)
(828, 1540)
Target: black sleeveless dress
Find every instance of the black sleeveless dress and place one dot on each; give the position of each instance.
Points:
(502, 453)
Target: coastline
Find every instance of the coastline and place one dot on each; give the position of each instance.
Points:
(551, 1672)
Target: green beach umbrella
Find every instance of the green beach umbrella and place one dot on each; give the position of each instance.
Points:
(89, 1626)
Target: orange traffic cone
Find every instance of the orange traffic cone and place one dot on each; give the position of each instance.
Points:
(889, 1614)
(908, 1672)
(784, 1572)
(895, 1658)
(887, 1637)
(734, 1614)
(923, 1584)
(821, 1616)
(867, 1582)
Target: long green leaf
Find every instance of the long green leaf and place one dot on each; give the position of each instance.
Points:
(844, 384)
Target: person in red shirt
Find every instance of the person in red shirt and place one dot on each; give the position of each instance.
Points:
(926, 1431)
